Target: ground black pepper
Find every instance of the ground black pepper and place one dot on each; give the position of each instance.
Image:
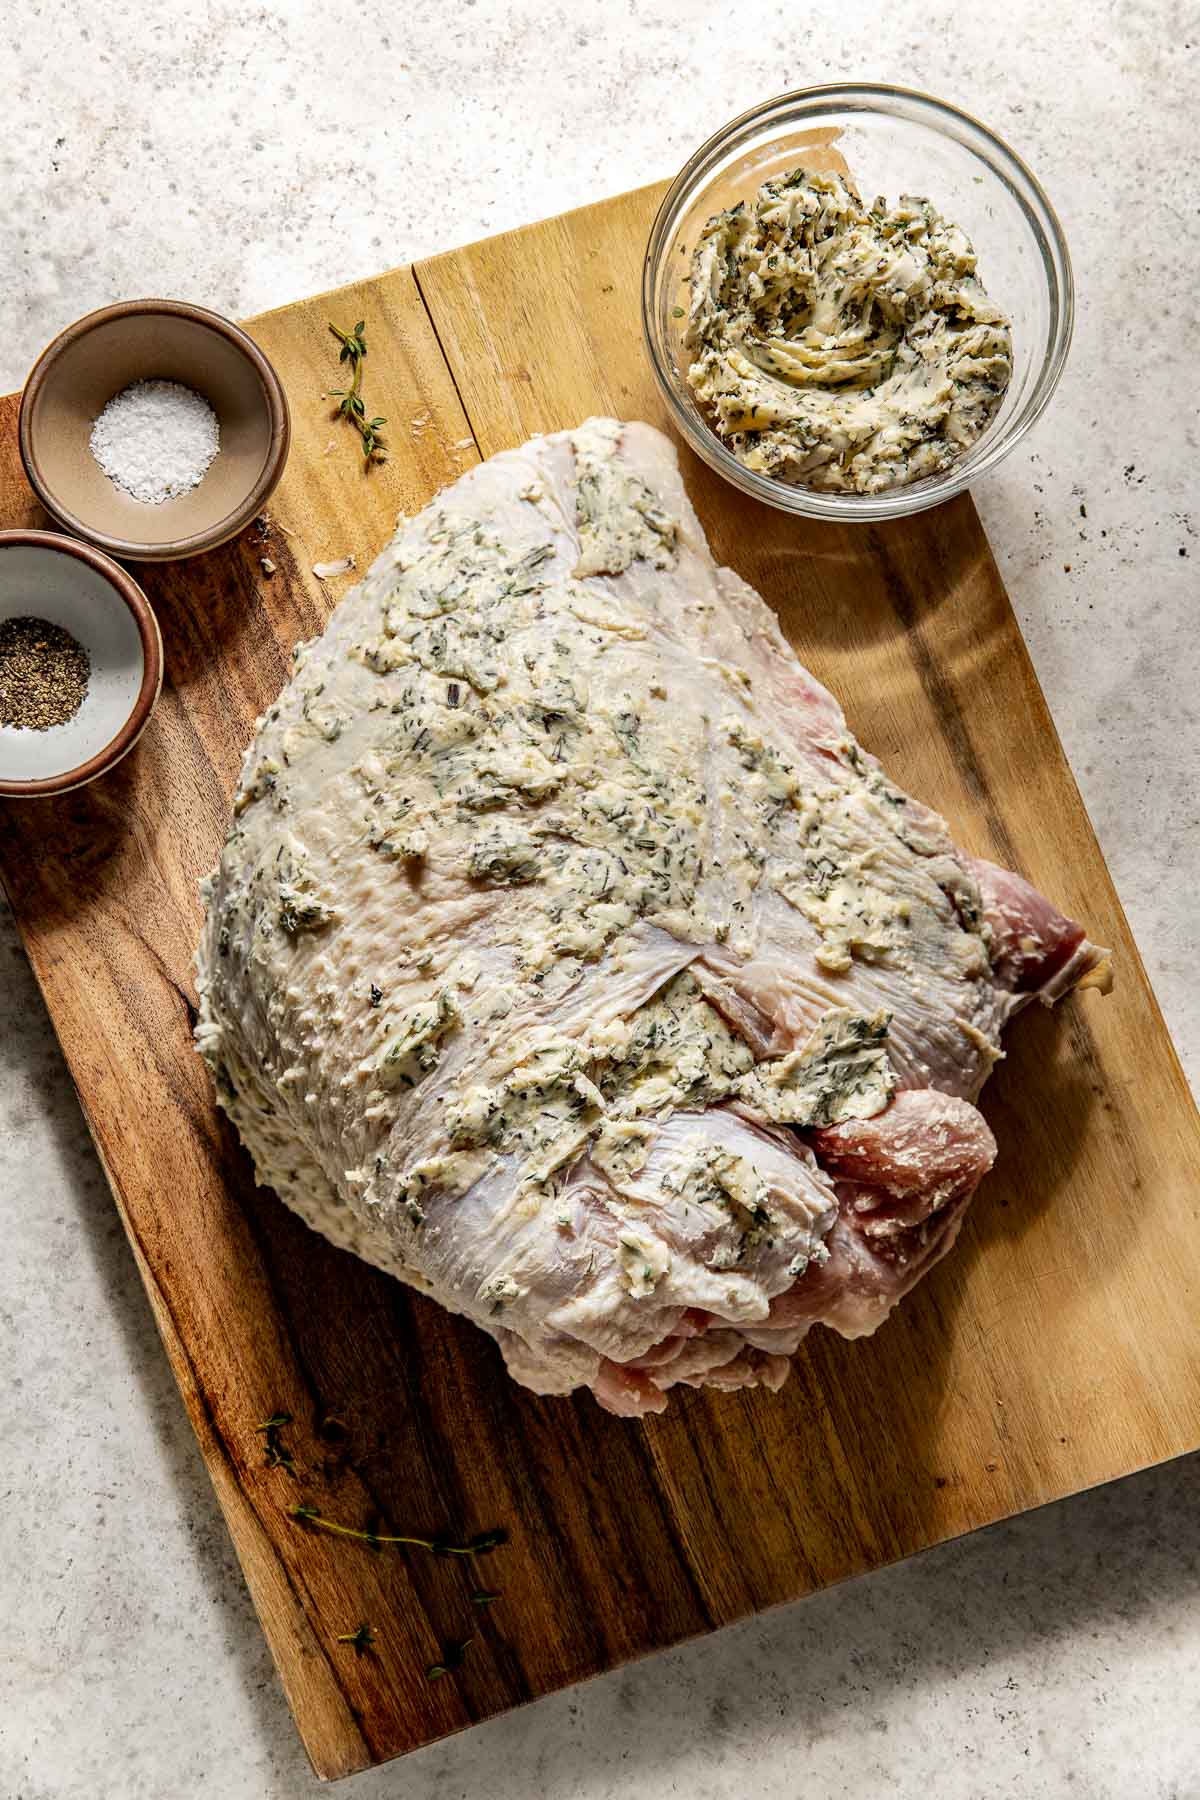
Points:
(43, 674)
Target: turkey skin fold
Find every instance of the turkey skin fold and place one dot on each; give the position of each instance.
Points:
(568, 959)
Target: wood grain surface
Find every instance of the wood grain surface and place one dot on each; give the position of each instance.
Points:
(1054, 1349)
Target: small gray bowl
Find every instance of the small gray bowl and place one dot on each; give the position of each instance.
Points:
(67, 583)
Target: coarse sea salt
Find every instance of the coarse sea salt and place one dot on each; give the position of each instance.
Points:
(155, 440)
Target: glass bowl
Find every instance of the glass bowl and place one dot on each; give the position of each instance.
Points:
(894, 142)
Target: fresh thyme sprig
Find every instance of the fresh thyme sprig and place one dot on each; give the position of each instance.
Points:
(362, 1638)
(480, 1545)
(352, 406)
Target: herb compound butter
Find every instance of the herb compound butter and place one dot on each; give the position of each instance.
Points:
(843, 347)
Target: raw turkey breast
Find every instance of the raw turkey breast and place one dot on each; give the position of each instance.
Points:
(568, 958)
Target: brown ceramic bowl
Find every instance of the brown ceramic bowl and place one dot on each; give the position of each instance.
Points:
(143, 340)
(45, 576)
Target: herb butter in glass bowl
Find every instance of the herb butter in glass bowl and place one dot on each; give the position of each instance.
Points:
(889, 142)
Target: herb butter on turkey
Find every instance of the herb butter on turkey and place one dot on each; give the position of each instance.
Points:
(569, 959)
(838, 346)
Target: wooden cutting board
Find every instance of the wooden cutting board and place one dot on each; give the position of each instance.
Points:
(1056, 1348)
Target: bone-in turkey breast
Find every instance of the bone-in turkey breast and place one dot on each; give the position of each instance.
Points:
(569, 959)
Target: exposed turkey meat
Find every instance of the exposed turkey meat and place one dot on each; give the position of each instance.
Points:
(569, 959)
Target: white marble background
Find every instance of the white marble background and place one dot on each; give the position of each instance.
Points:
(242, 154)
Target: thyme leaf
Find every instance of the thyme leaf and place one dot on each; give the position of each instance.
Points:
(452, 1658)
(487, 1541)
(276, 1454)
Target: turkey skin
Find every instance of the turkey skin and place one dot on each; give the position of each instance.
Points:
(568, 958)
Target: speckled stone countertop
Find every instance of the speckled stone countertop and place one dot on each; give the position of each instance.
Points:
(244, 155)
